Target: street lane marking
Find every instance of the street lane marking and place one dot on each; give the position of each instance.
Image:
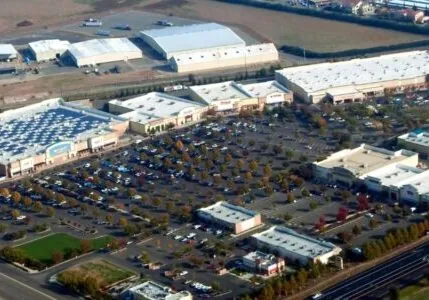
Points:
(28, 287)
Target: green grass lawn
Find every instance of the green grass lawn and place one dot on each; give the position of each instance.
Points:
(418, 291)
(43, 248)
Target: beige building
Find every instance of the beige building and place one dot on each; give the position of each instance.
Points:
(156, 112)
(223, 58)
(349, 166)
(99, 51)
(263, 263)
(357, 79)
(235, 218)
(269, 93)
(46, 50)
(52, 132)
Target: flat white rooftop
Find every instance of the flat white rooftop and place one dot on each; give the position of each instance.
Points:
(154, 106)
(49, 45)
(262, 258)
(98, 47)
(7, 49)
(364, 159)
(291, 241)
(355, 72)
(30, 130)
(228, 90)
(263, 89)
(419, 138)
(193, 37)
(394, 174)
(228, 213)
(154, 291)
(214, 55)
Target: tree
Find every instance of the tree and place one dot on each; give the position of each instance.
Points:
(373, 223)
(363, 202)
(50, 211)
(289, 154)
(38, 206)
(27, 202)
(131, 192)
(356, 229)
(267, 170)
(85, 246)
(123, 222)
(156, 201)
(15, 213)
(60, 198)
(4, 192)
(16, 197)
(342, 214)
(290, 197)
(253, 166)
(57, 257)
(305, 192)
(109, 219)
(313, 205)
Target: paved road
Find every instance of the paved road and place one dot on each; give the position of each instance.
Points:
(363, 284)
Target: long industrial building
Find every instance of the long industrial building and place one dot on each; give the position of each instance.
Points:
(357, 79)
(8, 52)
(46, 50)
(349, 166)
(156, 112)
(230, 97)
(235, 218)
(401, 4)
(294, 246)
(175, 40)
(221, 58)
(51, 132)
(99, 51)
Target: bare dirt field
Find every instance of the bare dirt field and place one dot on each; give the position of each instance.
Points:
(284, 28)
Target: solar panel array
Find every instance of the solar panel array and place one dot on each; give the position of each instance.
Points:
(41, 129)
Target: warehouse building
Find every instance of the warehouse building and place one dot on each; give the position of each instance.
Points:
(295, 247)
(417, 141)
(223, 58)
(8, 52)
(99, 51)
(156, 112)
(175, 40)
(269, 93)
(263, 263)
(46, 50)
(52, 132)
(349, 166)
(357, 79)
(232, 217)
(401, 4)
(151, 290)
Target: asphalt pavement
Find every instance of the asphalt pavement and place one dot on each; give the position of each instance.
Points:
(381, 275)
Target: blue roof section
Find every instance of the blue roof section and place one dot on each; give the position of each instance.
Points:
(194, 37)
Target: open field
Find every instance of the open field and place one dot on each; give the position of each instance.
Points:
(104, 271)
(43, 248)
(285, 28)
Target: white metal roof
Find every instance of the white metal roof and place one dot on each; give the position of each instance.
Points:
(292, 241)
(154, 106)
(97, 47)
(394, 174)
(7, 49)
(364, 159)
(227, 90)
(193, 37)
(30, 130)
(420, 182)
(263, 89)
(49, 45)
(321, 77)
(155, 291)
(421, 4)
(214, 55)
(228, 213)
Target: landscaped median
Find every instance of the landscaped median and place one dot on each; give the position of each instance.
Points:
(51, 250)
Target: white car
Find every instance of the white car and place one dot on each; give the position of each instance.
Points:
(178, 237)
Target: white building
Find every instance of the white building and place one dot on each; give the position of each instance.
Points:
(357, 79)
(417, 141)
(263, 263)
(150, 290)
(157, 112)
(232, 217)
(269, 93)
(98, 51)
(48, 49)
(294, 246)
(8, 52)
(413, 4)
(176, 40)
(222, 58)
(348, 166)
